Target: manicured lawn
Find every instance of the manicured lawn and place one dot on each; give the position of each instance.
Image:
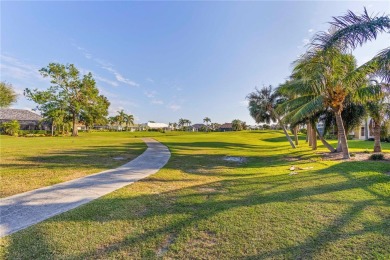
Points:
(203, 207)
(30, 163)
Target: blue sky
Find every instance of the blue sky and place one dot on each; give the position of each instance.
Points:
(163, 61)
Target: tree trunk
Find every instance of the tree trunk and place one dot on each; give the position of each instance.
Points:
(285, 131)
(52, 128)
(342, 135)
(324, 142)
(309, 135)
(296, 135)
(377, 137)
(314, 137)
(74, 130)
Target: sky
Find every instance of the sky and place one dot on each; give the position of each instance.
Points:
(162, 61)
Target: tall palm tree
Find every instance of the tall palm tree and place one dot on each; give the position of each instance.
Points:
(262, 104)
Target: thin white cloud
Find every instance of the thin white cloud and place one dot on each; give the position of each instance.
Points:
(107, 66)
(150, 80)
(174, 107)
(243, 103)
(11, 67)
(157, 102)
(311, 30)
(150, 94)
(119, 77)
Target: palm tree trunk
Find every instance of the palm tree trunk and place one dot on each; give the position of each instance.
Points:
(314, 137)
(377, 137)
(285, 130)
(342, 135)
(296, 135)
(309, 134)
(324, 142)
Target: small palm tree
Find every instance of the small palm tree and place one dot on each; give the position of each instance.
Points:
(262, 104)
(121, 117)
(207, 120)
(129, 120)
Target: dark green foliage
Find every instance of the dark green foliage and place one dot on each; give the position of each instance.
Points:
(377, 157)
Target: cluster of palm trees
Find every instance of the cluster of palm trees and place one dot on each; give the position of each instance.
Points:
(327, 85)
(121, 119)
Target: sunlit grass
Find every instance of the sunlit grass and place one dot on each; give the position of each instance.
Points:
(200, 206)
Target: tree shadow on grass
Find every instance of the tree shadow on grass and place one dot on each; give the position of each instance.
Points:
(199, 203)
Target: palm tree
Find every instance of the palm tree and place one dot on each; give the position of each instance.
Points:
(181, 122)
(207, 120)
(350, 31)
(129, 120)
(377, 111)
(262, 104)
(121, 117)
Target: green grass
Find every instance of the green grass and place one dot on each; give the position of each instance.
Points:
(202, 207)
(30, 163)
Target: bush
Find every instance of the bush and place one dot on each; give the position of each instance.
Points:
(10, 128)
(352, 154)
(366, 151)
(377, 156)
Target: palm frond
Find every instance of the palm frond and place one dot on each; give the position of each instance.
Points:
(369, 93)
(351, 30)
(315, 105)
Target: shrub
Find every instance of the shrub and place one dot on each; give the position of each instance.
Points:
(10, 128)
(352, 154)
(377, 156)
(366, 151)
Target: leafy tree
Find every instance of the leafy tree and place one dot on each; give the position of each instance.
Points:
(237, 125)
(262, 108)
(75, 94)
(95, 111)
(7, 94)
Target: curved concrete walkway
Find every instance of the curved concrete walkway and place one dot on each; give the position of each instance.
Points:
(23, 210)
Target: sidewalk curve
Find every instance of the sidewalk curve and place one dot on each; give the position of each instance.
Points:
(23, 210)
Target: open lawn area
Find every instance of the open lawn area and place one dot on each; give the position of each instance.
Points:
(201, 206)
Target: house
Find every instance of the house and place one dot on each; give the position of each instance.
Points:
(198, 127)
(365, 130)
(28, 120)
(155, 126)
(226, 127)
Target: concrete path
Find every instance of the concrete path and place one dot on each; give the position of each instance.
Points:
(23, 210)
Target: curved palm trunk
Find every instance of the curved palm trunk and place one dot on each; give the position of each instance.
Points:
(342, 135)
(324, 142)
(309, 135)
(377, 137)
(285, 131)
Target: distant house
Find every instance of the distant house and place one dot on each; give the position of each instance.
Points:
(226, 127)
(155, 126)
(28, 120)
(198, 127)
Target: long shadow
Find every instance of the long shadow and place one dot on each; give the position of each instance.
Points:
(199, 203)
